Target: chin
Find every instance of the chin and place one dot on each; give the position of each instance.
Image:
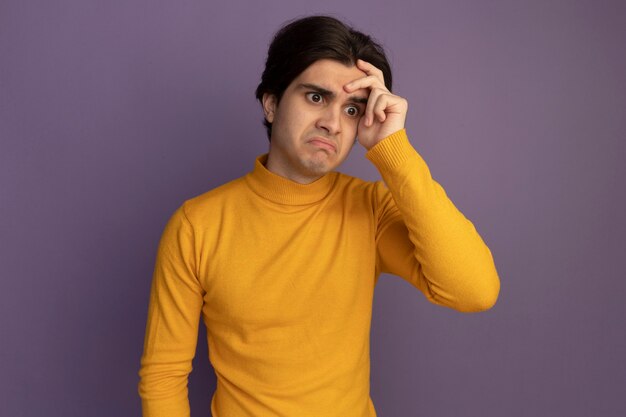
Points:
(320, 166)
(318, 169)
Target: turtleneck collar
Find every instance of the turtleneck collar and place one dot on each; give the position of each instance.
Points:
(285, 191)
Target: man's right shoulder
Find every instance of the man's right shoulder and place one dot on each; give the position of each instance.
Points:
(215, 200)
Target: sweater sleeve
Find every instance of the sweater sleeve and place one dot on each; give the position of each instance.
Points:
(172, 327)
(423, 238)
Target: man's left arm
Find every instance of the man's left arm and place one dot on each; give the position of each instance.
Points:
(422, 236)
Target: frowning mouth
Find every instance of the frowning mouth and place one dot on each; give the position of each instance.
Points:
(323, 143)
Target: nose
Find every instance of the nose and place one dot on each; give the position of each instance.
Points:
(330, 120)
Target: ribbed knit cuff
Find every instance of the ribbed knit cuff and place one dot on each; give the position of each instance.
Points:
(392, 151)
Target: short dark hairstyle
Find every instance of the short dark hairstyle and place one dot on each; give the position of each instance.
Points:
(302, 42)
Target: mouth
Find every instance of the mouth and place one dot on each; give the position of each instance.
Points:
(323, 143)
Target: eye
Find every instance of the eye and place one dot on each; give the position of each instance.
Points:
(352, 111)
(315, 97)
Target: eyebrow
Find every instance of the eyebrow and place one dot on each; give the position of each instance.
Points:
(325, 92)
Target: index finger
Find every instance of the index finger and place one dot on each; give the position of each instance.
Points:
(369, 81)
(370, 69)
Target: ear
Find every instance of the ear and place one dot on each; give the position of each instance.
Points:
(269, 106)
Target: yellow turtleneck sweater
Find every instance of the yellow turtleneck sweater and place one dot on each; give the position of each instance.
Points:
(283, 276)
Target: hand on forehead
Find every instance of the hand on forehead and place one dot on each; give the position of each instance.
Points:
(372, 78)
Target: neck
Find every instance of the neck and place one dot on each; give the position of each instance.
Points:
(274, 165)
(284, 191)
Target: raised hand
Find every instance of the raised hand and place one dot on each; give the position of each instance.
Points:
(385, 112)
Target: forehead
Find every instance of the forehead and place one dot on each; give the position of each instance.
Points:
(332, 75)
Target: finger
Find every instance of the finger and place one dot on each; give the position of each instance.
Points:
(371, 82)
(370, 69)
(371, 103)
(382, 103)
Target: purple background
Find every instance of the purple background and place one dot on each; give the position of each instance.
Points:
(114, 112)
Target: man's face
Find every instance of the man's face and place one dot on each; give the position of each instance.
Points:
(315, 124)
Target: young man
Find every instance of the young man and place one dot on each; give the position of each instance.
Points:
(282, 263)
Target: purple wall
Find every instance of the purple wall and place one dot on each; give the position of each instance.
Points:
(114, 112)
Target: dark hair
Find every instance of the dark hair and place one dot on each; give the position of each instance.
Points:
(304, 41)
